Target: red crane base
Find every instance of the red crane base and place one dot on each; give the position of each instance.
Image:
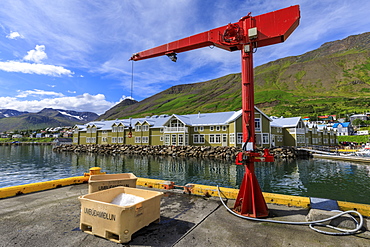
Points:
(250, 201)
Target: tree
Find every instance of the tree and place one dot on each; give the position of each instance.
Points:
(358, 122)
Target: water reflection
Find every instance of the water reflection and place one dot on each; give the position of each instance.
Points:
(343, 181)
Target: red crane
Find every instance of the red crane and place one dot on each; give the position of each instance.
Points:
(245, 35)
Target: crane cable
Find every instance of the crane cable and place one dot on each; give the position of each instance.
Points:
(311, 224)
(132, 77)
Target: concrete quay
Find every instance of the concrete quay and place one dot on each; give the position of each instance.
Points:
(52, 217)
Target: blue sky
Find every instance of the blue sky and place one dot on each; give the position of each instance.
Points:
(72, 54)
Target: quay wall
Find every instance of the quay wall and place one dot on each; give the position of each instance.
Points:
(180, 151)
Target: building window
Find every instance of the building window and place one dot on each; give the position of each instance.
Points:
(145, 127)
(265, 138)
(181, 140)
(114, 129)
(201, 139)
(212, 128)
(173, 140)
(138, 139)
(239, 138)
(218, 128)
(120, 139)
(201, 128)
(215, 138)
(120, 129)
(257, 124)
(161, 138)
(87, 139)
(93, 139)
(104, 139)
(114, 139)
(195, 138)
(137, 128)
(198, 138)
(167, 139)
(224, 128)
(224, 138)
(104, 132)
(145, 139)
(232, 138)
(195, 129)
(161, 130)
(218, 138)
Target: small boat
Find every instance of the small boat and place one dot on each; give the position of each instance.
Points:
(364, 152)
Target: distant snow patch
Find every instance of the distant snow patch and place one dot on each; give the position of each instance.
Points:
(69, 115)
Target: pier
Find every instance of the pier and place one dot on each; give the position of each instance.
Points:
(51, 218)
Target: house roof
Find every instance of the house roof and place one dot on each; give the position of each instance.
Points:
(311, 125)
(344, 125)
(285, 122)
(202, 119)
(321, 126)
(155, 121)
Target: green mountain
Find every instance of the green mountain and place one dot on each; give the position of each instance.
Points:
(333, 79)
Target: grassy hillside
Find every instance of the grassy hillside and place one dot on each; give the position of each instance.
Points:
(334, 79)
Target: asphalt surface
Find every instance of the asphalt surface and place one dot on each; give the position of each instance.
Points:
(51, 218)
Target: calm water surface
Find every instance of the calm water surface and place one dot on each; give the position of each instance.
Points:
(344, 181)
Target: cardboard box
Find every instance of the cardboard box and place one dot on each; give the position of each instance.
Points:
(118, 223)
(107, 181)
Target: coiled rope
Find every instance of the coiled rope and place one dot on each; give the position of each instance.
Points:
(311, 224)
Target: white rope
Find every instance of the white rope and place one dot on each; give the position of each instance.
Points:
(311, 224)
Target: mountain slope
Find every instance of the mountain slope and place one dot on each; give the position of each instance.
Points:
(333, 79)
(10, 113)
(45, 118)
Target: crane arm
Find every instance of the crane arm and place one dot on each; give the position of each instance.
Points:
(262, 30)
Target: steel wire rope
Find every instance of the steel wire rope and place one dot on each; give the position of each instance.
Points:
(310, 223)
(132, 77)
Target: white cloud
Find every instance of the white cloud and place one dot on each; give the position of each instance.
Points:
(85, 102)
(36, 55)
(14, 35)
(37, 92)
(33, 68)
(97, 37)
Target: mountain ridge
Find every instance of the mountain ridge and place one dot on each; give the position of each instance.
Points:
(45, 118)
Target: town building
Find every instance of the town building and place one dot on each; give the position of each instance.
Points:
(343, 129)
(363, 117)
(202, 129)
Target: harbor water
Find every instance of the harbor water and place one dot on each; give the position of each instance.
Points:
(338, 180)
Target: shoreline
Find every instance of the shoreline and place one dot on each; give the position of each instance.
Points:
(218, 152)
(25, 143)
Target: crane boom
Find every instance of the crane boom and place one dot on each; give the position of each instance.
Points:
(245, 35)
(266, 29)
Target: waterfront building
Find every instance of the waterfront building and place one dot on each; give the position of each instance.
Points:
(201, 129)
